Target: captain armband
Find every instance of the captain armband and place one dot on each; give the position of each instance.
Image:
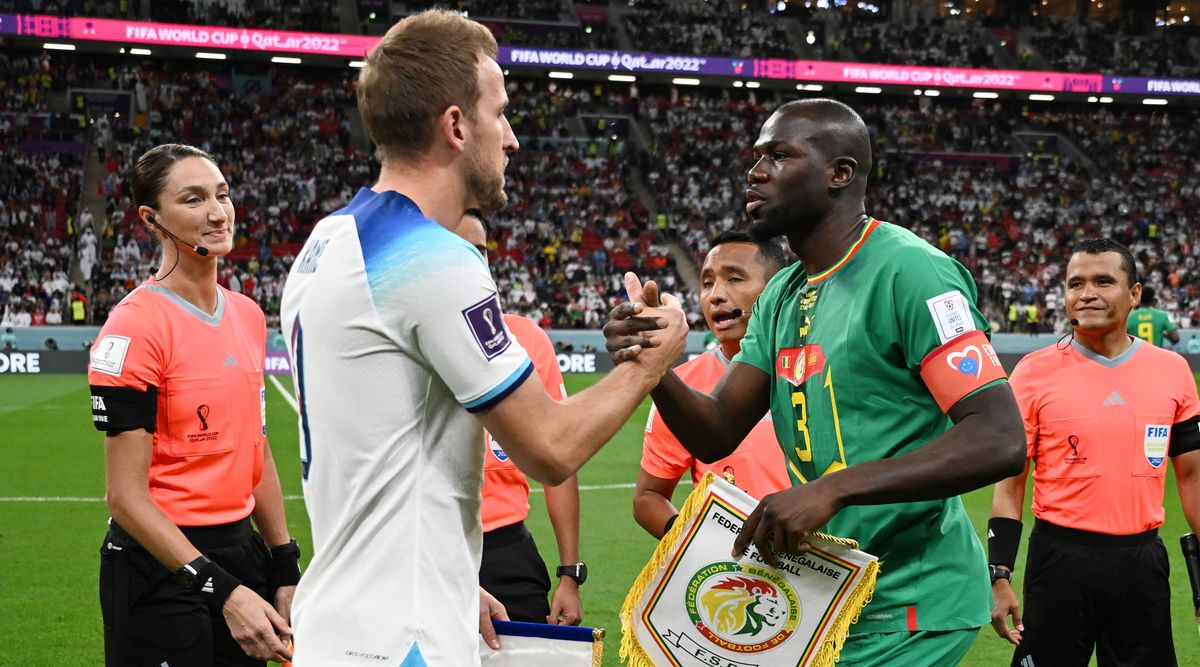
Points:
(960, 367)
(119, 409)
(1004, 538)
(1185, 436)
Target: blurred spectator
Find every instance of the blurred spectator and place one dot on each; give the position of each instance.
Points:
(306, 15)
(1072, 46)
(724, 27)
(948, 43)
(537, 10)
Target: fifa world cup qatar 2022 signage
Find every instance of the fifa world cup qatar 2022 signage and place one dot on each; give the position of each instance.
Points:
(624, 62)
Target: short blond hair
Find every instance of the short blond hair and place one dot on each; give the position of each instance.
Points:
(425, 63)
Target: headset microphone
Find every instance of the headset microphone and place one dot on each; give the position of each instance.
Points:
(199, 249)
(1073, 322)
(737, 312)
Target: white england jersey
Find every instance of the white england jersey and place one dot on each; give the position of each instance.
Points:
(396, 336)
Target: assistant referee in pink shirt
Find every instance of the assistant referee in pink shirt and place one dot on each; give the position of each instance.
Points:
(1103, 414)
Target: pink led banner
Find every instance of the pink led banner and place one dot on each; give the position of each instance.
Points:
(356, 46)
(213, 37)
(905, 75)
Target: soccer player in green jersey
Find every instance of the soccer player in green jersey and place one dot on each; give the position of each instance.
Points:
(887, 397)
(1151, 324)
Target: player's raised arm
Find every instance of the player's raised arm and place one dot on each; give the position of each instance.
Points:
(551, 440)
(709, 426)
(712, 426)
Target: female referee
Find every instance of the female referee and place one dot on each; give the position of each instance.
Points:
(177, 386)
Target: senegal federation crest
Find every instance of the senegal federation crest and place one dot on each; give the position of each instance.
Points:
(744, 609)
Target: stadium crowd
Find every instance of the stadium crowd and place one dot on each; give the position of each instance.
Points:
(305, 15)
(701, 27)
(948, 170)
(531, 10)
(954, 43)
(1097, 47)
(587, 206)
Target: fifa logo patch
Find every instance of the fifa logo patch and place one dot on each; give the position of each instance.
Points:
(1154, 443)
(496, 449)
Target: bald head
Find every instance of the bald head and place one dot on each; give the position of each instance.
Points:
(835, 129)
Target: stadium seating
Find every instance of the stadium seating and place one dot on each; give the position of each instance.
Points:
(609, 176)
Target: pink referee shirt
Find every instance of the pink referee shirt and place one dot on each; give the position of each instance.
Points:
(1098, 430)
(757, 464)
(505, 487)
(211, 425)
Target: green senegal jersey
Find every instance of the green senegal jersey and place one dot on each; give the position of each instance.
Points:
(1149, 324)
(845, 350)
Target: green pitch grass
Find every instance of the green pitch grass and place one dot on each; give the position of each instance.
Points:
(52, 523)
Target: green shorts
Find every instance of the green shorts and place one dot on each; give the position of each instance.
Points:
(911, 649)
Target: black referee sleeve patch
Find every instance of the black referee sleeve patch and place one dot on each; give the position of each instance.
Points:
(119, 409)
(1185, 436)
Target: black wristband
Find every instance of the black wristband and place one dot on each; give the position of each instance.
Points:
(215, 585)
(283, 568)
(670, 522)
(1004, 538)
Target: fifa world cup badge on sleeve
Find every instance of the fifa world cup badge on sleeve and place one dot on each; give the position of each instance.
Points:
(951, 315)
(109, 354)
(487, 325)
(693, 602)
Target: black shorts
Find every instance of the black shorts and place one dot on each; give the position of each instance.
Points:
(1086, 591)
(151, 620)
(513, 571)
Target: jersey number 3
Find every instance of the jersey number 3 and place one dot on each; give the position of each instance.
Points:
(804, 454)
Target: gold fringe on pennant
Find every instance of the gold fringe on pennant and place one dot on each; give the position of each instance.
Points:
(631, 650)
(831, 647)
(597, 646)
(633, 653)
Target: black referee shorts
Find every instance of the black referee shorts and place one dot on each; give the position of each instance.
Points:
(1085, 590)
(513, 571)
(150, 620)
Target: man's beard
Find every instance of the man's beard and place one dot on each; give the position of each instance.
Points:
(486, 187)
(769, 227)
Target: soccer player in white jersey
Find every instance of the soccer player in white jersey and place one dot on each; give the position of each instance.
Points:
(400, 356)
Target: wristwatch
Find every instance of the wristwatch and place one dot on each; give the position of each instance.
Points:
(999, 573)
(578, 572)
(186, 575)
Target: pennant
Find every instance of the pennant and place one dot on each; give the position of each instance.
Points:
(542, 645)
(693, 602)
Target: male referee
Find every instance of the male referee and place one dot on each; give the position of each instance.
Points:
(1103, 414)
